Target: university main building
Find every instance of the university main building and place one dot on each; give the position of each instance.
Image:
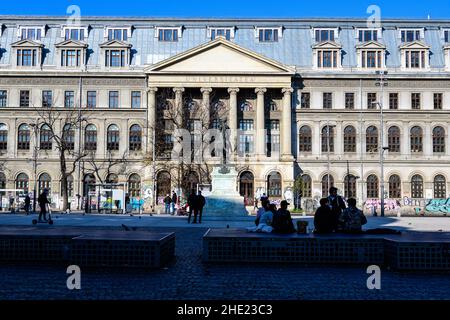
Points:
(302, 98)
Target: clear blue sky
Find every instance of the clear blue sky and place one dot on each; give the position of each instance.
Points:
(232, 8)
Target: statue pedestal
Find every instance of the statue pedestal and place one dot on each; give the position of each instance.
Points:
(224, 201)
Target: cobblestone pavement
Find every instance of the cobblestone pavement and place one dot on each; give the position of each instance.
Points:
(188, 279)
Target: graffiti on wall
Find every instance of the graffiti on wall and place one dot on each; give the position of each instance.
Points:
(389, 204)
(438, 206)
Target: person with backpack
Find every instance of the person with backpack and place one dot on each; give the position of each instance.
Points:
(352, 219)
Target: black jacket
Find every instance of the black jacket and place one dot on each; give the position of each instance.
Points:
(282, 222)
(201, 201)
(324, 221)
(192, 201)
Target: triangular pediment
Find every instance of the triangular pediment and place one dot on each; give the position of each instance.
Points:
(371, 45)
(26, 43)
(447, 47)
(71, 44)
(115, 44)
(327, 45)
(220, 56)
(415, 45)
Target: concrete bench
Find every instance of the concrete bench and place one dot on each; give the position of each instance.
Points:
(86, 248)
(235, 245)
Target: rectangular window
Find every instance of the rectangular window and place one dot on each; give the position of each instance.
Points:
(135, 99)
(219, 32)
(393, 101)
(74, 34)
(410, 35)
(3, 98)
(372, 100)
(306, 100)
(246, 125)
(415, 101)
(70, 58)
(24, 98)
(447, 36)
(349, 101)
(31, 34)
(26, 57)
(91, 99)
(168, 35)
(115, 58)
(324, 35)
(368, 35)
(118, 34)
(47, 99)
(114, 99)
(69, 99)
(328, 100)
(268, 35)
(437, 99)
(246, 144)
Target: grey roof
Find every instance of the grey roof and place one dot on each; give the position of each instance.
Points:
(294, 48)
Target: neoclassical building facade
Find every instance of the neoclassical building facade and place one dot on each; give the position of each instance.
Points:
(301, 98)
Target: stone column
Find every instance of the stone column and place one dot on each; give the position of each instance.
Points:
(178, 112)
(233, 117)
(286, 125)
(151, 119)
(206, 92)
(260, 125)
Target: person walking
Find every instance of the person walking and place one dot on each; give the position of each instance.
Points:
(167, 202)
(174, 202)
(27, 204)
(192, 203)
(43, 205)
(337, 205)
(201, 202)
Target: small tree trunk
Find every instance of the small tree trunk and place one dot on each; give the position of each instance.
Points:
(64, 187)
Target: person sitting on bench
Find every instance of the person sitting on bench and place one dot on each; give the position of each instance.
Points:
(324, 221)
(282, 220)
(352, 219)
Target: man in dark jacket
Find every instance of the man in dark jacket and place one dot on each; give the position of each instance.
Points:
(43, 203)
(282, 220)
(337, 206)
(174, 202)
(324, 220)
(201, 202)
(192, 203)
(27, 204)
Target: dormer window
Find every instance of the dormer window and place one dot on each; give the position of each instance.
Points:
(116, 54)
(118, 33)
(269, 34)
(447, 36)
(366, 35)
(322, 35)
(227, 33)
(371, 55)
(28, 53)
(74, 33)
(415, 56)
(31, 33)
(168, 34)
(72, 53)
(411, 35)
(327, 55)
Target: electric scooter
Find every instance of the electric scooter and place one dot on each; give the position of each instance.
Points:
(49, 221)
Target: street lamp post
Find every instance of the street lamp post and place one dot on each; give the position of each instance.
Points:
(35, 162)
(382, 82)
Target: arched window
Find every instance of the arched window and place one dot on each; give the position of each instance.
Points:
(112, 178)
(328, 139)
(395, 187)
(135, 138)
(46, 138)
(372, 139)
(22, 182)
(69, 186)
(307, 186)
(417, 187)
(69, 137)
(372, 187)
(45, 182)
(90, 139)
(416, 139)
(134, 186)
(23, 138)
(440, 187)
(439, 140)
(274, 185)
(350, 186)
(246, 106)
(89, 184)
(349, 139)
(3, 137)
(271, 106)
(163, 184)
(305, 139)
(246, 185)
(394, 139)
(113, 138)
(327, 183)
(192, 106)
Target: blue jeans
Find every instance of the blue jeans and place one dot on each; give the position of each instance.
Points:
(173, 208)
(167, 208)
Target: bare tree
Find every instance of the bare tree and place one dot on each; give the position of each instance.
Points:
(60, 126)
(104, 168)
